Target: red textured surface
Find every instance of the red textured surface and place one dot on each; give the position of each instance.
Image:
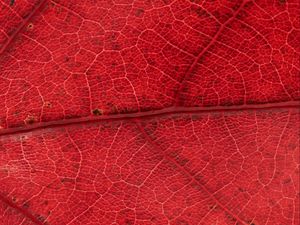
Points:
(134, 112)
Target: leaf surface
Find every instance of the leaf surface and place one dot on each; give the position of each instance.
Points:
(136, 112)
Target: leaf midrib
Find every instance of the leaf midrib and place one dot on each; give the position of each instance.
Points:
(149, 114)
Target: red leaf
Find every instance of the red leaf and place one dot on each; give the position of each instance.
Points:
(136, 112)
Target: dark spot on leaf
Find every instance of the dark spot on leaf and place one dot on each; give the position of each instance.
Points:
(195, 117)
(70, 116)
(173, 154)
(114, 109)
(40, 218)
(12, 2)
(230, 217)
(139, 12)
(198, 11)
(14, 199)
(181, 161)
(241, 189)
(199, 177)
(282, 1)
(25, 16)
(113, 37)
(97, 112)
(250, 222)
(26, 205)
(128, 222)
(168, 26)
(153, 219)
(66, 180)
(240, 15)
(30, 26)
(291, 146)
(196, 186)
(116, 46)
(151, 62)
(286, 181)
(272, 202)
(48, 105)
(30, 119)
(244, 26)
(248, 4)
(127, 110)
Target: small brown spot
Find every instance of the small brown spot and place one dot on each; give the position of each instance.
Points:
(97, 112)
(153, 219)
(282, 1)
(286, 181)
(30, 119)
(125, 110)
(291, 146)
(12, 2)
(66, 59)
(67, 180)
(128, 222)
(195, 1)
(241, 189)
(14, 199)
(182, 161)
(199, 12)
(48, 104)
(230, 217)
(30, 26)
(116, 46)
(40, 218)
(114, 64)
(139, 12)
(26, 205)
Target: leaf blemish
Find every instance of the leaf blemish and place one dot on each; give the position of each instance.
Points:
(30, 26)
(139, 12)
(26, 205)
(48, 104)
(30, 119)
(97, 112)
(41, 218)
